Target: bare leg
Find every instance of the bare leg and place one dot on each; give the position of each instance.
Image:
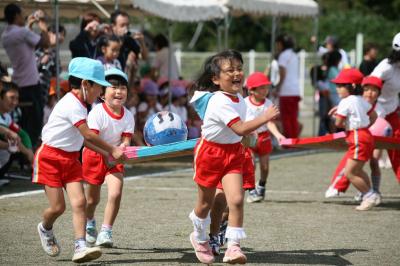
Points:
(78, 203)
(354, 171)
(114, 184)
(217, 211)
(93, 199)
(233, 188)
(205, 199)
(56, 200)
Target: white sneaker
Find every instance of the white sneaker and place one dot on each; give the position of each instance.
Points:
(358, 197)
(367, 203)
(86, 254)
(378, 199)
(91, 234)
(49, 242)
(104, 239)
(331, 192)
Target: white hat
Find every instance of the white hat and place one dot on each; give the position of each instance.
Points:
(396, 42)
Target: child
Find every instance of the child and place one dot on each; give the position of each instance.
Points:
(110, 46)
(356, 115)
(371, 90)
(56, 164)
(257, 103)
(151, 105)
(178, 103)
(219, 154)
(114, 124)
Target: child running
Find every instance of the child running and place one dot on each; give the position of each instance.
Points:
(114, 124)
(56, 163)
(219, 155)
(355, 114)
(257, 102)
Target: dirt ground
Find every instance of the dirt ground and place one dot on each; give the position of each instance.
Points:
(295, 225)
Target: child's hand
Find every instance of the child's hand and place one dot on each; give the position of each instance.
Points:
(118, 154)
(332, 112)
(280, 138)
(271, 113)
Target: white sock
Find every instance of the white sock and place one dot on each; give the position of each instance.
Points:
(369, 193)
(200, 226)
(234, 234)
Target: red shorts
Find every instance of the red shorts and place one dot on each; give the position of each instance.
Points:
(264, 144)
(361, 144)
(94, 168)
(249, 181)
(212, 161)
(55, 167)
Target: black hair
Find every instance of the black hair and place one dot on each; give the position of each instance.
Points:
(105, 40)
(115, 14)
(394, 57)
(160, 41)
(333, 58)
(212, 68)
(52, 28)
(10, 12)
(368, 47)
(75, 82)
(286, 41)
(8, 86)
(354, 89)
(121, 80)
(87, 18)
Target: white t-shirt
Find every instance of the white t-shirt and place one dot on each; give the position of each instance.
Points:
(290, 61)
(223, 110)
(20, 44)
(143, 108)
(254, 110)
(355, 109)
(379, 110)
(161, 62)
(61, 131)
(390, 74)
(109, 126)
(179, 110)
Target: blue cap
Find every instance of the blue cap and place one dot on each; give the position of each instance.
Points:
(116, 72)
(88, 69)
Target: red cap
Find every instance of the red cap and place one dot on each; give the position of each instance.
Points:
(374, 81)
(349, 76)
(257, 79)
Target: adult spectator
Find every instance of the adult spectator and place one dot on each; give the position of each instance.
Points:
(161, 62)
(85, 44)
(20, 43)
(369, 61)
(389, 71)
(331, 43)
(133, 45)
(46, 58)
(288, 88)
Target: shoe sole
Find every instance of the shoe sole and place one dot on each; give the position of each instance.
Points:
(191, 242)
(88, 257)
(105, 245)
(50, 254)
(240, 260)
(255, 200)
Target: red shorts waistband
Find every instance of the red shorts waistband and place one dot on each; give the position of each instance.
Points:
(227, 146)
(68, 154)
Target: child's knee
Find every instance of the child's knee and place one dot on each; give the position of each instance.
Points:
(79, 203)
(92, 201)
(236, 201)
(114, 196)
(58, 209)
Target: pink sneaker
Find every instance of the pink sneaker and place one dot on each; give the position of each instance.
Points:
(234, 255)
(203, 250)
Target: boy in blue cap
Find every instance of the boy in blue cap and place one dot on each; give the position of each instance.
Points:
(115, 124)
(56, 163)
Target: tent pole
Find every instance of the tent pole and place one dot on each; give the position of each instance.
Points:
(314, 127)
(57, 17)
(170, 53)
(226, 30)
(116, 5)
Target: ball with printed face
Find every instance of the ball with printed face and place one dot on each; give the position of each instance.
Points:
(163, 128)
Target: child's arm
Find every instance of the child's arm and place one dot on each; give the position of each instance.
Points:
(244, 128)
(274, 130)
(89, 136)
(26, 151)
(126, 141)
(340, 122)
(372, 117)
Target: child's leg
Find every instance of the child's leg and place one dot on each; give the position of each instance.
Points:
(355, 173)
(92, 199)
(217, 211)
(55, 196)
(234, 193)
(114, 185)
(375, 170)
(78, 204)
(264, 169)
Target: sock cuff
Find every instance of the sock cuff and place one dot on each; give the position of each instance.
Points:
(199, 221)
(235, 233)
